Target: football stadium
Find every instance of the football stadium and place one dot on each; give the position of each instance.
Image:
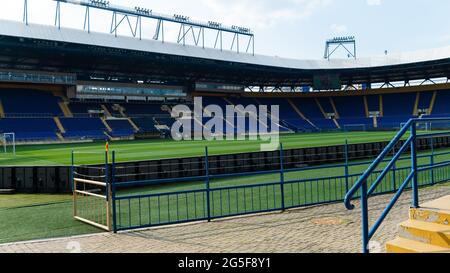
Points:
(94, 141)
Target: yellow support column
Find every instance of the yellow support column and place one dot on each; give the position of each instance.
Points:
(381, 106)
(366, 106)
(106, 124)
(416, 105)
(321, 108)
(433, 100)
(59, 125)
(136, 128)
(334, 108)
(300, 113)
(65, 109)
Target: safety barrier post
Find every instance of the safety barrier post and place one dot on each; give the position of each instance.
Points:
(113, 191)
(283, 206)
(394, 172)
(207, 184)
(346, 166)
(108, 192)
(73, 184)
(365, 218)
(72, 169)
(432, 161)
(415, 190)
(107, 175)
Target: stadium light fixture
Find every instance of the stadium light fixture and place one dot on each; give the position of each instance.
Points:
(143, 10)
(340, 42)
(100, 3)
(123, 15)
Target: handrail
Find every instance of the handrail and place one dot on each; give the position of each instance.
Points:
(350, 194)
(411, 125)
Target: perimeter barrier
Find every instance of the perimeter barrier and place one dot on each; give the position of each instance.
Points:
(214, 193)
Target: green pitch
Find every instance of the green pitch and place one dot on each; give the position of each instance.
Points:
(91, 153)
(37, 216)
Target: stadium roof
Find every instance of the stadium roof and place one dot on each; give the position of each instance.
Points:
(394, 67)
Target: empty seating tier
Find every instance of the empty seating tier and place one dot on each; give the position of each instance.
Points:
(84, 128)
(29, 103)
(120, 127)
(30, 129)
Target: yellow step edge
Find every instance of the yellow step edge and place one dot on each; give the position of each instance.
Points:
(436, 211)
(402, 245)
(436, 216)
(425, 232)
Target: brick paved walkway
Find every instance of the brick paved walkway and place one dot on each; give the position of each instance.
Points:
(328, 228)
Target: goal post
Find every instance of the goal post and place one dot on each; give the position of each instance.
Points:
(421, 126)
(355, 127)
(9, 139)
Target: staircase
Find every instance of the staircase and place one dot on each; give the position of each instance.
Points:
(106, 125)
(59, 125)
(135, 127)
(106, 111)
(428, 223)
(426, 231)
(300, 113)
(65, 109)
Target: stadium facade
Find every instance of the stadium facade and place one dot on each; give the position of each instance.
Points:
(83, 85)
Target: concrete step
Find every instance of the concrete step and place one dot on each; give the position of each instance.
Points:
(437, 211)
(425, 232)
(402, 245)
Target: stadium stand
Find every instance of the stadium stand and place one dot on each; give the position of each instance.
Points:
(289, 117)
(120, 128)
(82, 109)
(27, 102)
(84, 128)
(141, 109)
(354, 117)
(373, 103)
(310, 108)
(30, 129)
(125, 119)
(146, 124)
(441, 106)
(396, 108)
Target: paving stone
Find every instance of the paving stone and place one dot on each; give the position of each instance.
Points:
(327, 228)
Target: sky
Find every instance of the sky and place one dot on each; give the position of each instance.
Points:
(285, 28)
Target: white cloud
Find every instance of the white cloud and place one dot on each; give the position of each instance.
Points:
(338, 29)
(263, 13)
(373, 2)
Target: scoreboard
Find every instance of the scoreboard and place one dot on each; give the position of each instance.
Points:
(327, 82)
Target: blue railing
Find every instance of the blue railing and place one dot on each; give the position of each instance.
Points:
(141, 204)
(367, 190)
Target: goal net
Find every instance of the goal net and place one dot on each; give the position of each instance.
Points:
(9, 143)
(421, 126)
(355, 127)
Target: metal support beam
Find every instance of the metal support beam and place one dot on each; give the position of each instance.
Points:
(195, 29)
(332, 45)
(25, 12)
(58, 15)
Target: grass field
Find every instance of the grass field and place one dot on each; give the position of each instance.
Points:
(37, 216)
(60, 154)
(26, 217)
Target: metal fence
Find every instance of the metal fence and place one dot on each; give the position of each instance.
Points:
(140, 204)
